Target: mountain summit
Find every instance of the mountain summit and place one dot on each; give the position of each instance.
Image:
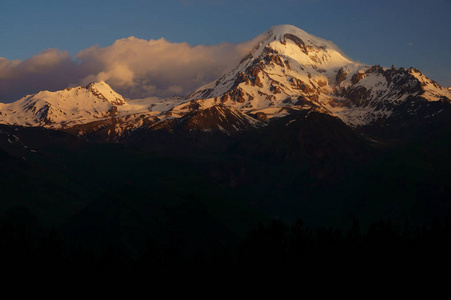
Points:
(287, 64)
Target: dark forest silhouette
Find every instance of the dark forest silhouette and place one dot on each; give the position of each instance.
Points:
(269, 250)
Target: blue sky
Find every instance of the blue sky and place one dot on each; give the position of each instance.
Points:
(403, 33)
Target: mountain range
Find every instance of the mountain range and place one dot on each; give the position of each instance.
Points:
(295, 130)
(287, 72)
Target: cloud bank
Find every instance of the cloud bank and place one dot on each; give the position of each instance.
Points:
(134, 67)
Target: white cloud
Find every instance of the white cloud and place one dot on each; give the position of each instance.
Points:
(134, 67)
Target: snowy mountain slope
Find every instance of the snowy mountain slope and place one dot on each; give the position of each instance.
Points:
(376, 94)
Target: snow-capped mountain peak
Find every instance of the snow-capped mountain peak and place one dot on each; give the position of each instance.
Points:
(287, 67)
(288, 40)
(282, 33)
(63, 108)
(103, 91)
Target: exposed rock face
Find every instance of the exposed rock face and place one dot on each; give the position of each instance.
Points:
(113, 111)
(300, 43)
(261, 116)
(304, 87)
(112, 129)
(341, 76)
(357, 77)
(219, 118)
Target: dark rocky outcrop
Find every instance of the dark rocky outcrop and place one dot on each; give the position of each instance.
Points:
(341, 76)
